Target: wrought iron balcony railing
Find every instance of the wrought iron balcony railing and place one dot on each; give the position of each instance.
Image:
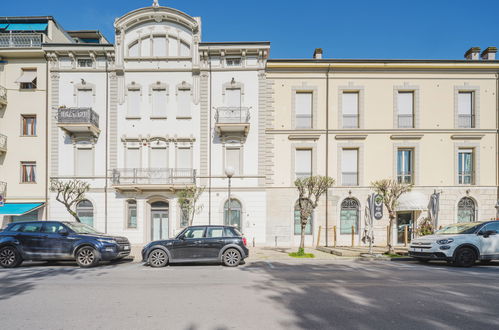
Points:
(232, 115)
(20, 40)
(3, 95)
(350, 121)
(153, 176)
(349, 178)
(3, 143)
(466, 121)
(405, 121)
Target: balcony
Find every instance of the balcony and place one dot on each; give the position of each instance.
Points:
(349, 178)
(3, 144)
(232, 120)
(78, 121)
(20, 40)
(152, 179)
(3, 96)
(466, 121)
(405, 121)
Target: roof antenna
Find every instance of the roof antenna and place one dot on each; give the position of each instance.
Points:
(155, 3)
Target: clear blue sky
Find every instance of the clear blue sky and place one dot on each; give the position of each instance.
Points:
(419, 29)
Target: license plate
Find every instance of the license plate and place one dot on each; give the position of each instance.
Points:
(127, 247)
(420, 250)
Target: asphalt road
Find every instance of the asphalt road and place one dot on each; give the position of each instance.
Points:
(260, 295)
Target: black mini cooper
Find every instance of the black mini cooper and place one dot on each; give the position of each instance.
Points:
(223, 244)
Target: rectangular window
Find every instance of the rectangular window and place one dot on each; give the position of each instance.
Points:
(158, 158)
(303, 163)
(184, 160)
(132, 214)
(466, 118)
(350, 109)
(85, 63)
(466, 173)
(233, 61)
(405, 109)
(184, 103)
(132, 158)
(303, 106)
(159, 103)
(404, 166)
(233, 158)
(84, 162)
(233, 97)
(349, 167)
(85, 98)
(28, 172)
(27, 80)
(29, 125)
(134, 102)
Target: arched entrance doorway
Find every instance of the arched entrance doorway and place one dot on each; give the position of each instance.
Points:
(159, 220)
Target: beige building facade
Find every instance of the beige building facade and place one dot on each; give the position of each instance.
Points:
(429, 123)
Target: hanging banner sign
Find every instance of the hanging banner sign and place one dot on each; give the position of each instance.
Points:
(378, 207)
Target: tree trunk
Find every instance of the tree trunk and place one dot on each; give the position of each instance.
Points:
(74, 214)
(302, 236)
(391, 249)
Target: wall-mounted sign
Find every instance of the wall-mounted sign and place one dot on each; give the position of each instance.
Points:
(378, 207)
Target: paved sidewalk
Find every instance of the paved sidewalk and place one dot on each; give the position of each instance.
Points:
(357, 251)
(276, 254)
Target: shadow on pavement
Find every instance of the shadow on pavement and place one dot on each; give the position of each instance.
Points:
(363, 295)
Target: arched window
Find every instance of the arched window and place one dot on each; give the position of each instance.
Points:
(308, 226)
(349, 216)
(133, 49)
(85, 211)
(132, 214)
(466, 210)
(234, 219)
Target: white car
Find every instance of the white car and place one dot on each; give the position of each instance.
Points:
(461, 244)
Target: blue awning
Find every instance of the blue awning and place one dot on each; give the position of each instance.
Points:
(3, 26)
(27, 27)
(18, 208)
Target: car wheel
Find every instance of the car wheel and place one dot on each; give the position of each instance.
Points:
(231, 258)
(158, 258)
(465, 257)
(10, 257)
(87, 257)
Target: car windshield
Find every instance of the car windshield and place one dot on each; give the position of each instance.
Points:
(459, 228)
(81, 228)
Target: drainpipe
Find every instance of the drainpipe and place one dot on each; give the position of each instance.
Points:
(497, 146)
(210, 142)
(106, 152)
(47, 114)
(327, 151)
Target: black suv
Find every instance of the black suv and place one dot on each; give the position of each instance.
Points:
(56, 240)
(199, 244)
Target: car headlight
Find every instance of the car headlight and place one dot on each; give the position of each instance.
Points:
(108, 241)
(445, 241)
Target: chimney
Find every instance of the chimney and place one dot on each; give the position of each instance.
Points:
(318, 53)
(472, 54)
(489, 53)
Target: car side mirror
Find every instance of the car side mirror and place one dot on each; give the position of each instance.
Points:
(181, 237)
(63, 232)
(489, 233)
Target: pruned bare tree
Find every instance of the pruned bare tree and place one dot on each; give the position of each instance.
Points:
(69, 193)
(310, 190)
(390, 191)
(187, 200)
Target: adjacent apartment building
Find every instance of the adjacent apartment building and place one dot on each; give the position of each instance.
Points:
(432, 123)
(23, 115)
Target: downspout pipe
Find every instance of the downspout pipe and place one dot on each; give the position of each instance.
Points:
(47, 116)
(497, 145)
(210, 140)
(327, 152)
(107, 148)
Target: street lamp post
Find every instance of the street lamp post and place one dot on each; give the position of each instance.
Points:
(229, 171)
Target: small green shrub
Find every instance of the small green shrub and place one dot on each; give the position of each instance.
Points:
(301, 254)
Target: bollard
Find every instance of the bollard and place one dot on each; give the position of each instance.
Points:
(334, 235)
(387, 235)
(405, 235)
(353, 236)
(319, 236)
